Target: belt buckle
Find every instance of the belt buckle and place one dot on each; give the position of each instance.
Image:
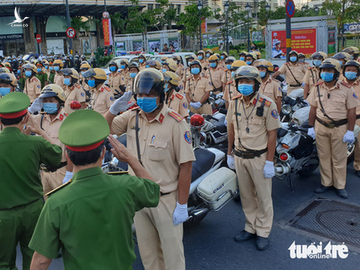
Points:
(331, 125)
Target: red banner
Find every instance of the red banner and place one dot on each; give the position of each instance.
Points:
(106, 30)
(203, 26)
(302, 40)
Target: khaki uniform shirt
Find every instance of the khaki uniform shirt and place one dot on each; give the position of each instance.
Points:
(204, 64)
(32, 88)
(271, 89)
(83, 83)
(335, 100)
(198, 87)
(298, 70)
(177, 102)
(142, 66)
(222, 64)
(114, 81)
(102, 99)
(215, 75)
(230, 87)
(312, 77)
(258, 126)
(126, 77)
(75, 92)
(356, 86)
(59, 80)
(180, 70)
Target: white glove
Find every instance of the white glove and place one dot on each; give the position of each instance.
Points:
(349, 137)
(269, 170)
(231, 162)
(225, 122)
(180, 214)
(36, 105)
(68, 176)
(303, 84)
(195, 105)
(311, 132)
(121, 104)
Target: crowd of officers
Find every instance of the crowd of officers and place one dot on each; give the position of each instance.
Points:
(158, 148)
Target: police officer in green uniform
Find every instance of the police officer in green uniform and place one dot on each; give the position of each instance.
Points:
(22, 78)
(91, 216)
(41, 75)
(52, 72)
(21, 192)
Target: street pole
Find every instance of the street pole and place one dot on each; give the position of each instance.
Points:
(200, 45)
(227, 33)
(105, 5)
(248, 24)
(68, 25)
(288, 37)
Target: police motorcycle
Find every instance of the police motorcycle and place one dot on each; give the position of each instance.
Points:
(291, 103)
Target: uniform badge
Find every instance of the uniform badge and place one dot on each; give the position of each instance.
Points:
(112, 98)
(161, 118)
(185, 105)
(354, 95)
(38, 86)
(61, 117)
(274, 114)
(187, 137)
(181, 87)
(82, 94)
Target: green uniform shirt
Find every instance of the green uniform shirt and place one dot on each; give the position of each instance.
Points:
(43, 77)
(22, 80)
(20, 159)
(52, 76)
(91, 219)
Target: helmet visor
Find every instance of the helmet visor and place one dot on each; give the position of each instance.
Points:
(89, 73)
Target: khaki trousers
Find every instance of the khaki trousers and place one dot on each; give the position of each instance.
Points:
(332, 153)
(255, 195)
(357, 150)
(204, 109)
(160, 242)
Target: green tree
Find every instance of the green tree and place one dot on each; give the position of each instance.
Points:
(263, 15)
(118, 22)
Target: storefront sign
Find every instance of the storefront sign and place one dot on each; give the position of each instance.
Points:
(14, 36)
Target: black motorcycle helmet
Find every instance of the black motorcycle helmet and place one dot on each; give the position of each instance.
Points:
(148, 80)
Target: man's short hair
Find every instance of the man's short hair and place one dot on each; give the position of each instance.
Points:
(12, 121)
(85, 158)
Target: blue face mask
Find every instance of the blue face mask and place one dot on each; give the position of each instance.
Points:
(262, 74)
(56, 68)
(46, 67)
(326, 76)
(195, 71)
(122, 67)
(38, 69)
(242, 58)
(293, 58)
(67, 81)
(147, 66)
(164, 70)
(4, 91)
(207, 55)
(222, 57)
(28, 73)
(51, 68)
(166, 87)
(317, 63)
(91, 83)
(147, 104)
(112, 68)
(50, 108)
(63, 61)
(246, 89)
(133, 74)
(350, 75)
(341, 63)
(18, 72)
(248, 63)
(232, 73)
(200, 57)
(141, 61)
(213, 65)
(228, 66)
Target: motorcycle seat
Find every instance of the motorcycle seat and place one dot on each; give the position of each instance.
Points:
(204, 161)
(306, 125)
(220, 125)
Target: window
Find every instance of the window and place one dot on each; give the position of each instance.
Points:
(157, 6)
(171, 6)
(150, 6)
(178, 9)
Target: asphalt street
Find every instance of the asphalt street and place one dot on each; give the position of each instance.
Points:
(210, 245)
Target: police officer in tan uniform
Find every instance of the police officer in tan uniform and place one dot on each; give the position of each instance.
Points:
(215, 73)
(124, 70)
(223, 57)
(134, 70)
(242, 55)
(102, 97)
(294, 72)
(73, 90)
(52, 98)
(351, 74)
(115, 78)
(198, 88)
(229, 82)
(180, 69)
(170, 65)
(353, 51)
(302, 58)
(8, 84)
(32, 84)
(269, 86)
(201, 57)
(333, 113)
(59, 78)
(173, 99)
(165, 150)
(250, 58)
(312, 74)
(252, 126)
(187, 72)
(142, 61)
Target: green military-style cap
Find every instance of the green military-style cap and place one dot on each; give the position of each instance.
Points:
(83, 130)
(14, 105)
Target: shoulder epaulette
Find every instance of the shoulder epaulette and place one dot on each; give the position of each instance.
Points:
(77, 86)
(345, 84)
(319, 83)
(58, 188)
(176, 116)
(179, 96)
(66, 114)
(206, 77)
(237, 96)
(107, 89)
(310, 68)
(135, 108)
(267, 102)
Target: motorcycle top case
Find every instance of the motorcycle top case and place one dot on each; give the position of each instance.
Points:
(218, 188)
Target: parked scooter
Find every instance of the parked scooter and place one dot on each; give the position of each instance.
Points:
(291, 103)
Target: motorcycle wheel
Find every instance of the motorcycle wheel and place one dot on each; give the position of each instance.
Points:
(350, 153)
(307, 170)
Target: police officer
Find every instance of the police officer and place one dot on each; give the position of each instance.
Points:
(124, 70)
(170, 65)
(269, 87)
(32, 84)
(215, 74)
(115, 78)
(294, 72)
(180, 69)
(8, 84)
(252, 126)
(21, 196)
(102, 97)
(353, 51)
(41, 75)
(312, 74)
(198, 88)
(52, 99)
(201, 57)
(134, 70)
(242, 55)
(73, 214)
(333, 106)
(83, 68)
(165, 149)
(208, 53)
(250, 58)
(302, 58)
(73, 90)
(230, 86)
(142, 61)
(351, 74)
(52, 72)
(223, 57)
(187, 72)
(58, 78)
(173, 99)
(153, 64)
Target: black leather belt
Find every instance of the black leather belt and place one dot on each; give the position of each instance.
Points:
(249, 154)
(21, 206)
(333, 124)
(295, 85)
(163, 194)
(358, 116)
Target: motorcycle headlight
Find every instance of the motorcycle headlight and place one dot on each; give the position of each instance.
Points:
(286, 109)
